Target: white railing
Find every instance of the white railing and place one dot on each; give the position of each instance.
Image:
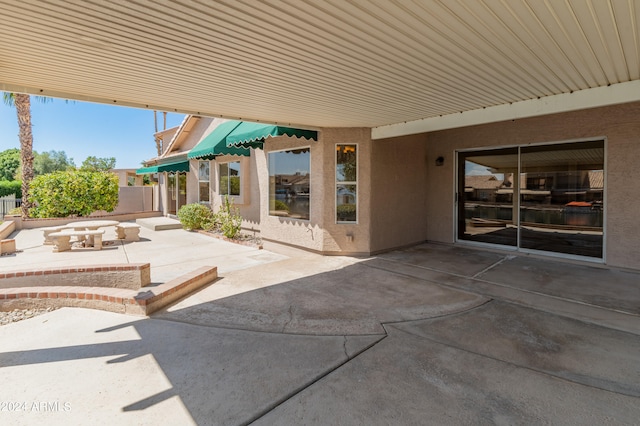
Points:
(7, 203)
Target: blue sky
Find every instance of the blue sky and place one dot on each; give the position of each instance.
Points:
(82, 129)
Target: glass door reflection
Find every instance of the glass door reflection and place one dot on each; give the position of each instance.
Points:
(182, 189)
(171, 193)
(561, 198)
(487, 211)
(545, 197)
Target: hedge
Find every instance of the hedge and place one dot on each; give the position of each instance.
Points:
(10, 187)
(73, 192)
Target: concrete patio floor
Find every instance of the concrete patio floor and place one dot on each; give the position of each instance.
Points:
(432, 334)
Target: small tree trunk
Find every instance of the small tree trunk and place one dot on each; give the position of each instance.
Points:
(156, 137)
(23, 109)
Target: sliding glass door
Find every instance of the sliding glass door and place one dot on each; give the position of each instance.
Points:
(487, 209)
(172, 193)
(176, 191)
(561, 200)
(544, 197)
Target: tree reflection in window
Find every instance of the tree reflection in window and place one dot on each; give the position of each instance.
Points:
(230, 178)
(203, 181)
(346, 183)
(290, 183)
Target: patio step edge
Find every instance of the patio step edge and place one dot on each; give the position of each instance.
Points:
(125, 301)
(131, 276)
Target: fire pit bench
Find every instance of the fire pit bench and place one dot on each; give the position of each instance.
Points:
(128, 231)
(62, 239)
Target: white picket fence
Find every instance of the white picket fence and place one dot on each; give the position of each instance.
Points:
(8, 202)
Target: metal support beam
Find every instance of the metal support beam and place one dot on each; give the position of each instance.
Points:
(589, 98)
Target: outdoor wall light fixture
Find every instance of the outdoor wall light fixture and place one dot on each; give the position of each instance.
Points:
(440, 161)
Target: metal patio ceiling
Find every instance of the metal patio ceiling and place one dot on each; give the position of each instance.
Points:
(399, 65)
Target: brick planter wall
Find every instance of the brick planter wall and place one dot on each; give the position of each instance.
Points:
(130, 276)
(124, 301)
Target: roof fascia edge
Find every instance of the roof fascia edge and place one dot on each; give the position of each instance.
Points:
(50, 93)
(582, 99)
(179, 133)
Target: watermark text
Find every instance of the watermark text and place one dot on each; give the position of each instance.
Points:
(35, 406)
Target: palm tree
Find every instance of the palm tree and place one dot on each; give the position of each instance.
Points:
(158, 139)
(22, 103)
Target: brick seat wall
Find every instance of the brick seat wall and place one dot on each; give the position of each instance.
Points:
(126, 301)
(131, 276)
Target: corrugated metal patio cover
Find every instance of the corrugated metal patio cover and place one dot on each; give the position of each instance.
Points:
(328, 63)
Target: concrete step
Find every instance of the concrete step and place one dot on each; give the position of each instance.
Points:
(159, 223)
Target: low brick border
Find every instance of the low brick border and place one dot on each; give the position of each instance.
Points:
(67, 270)
(107, 298)
(164, 294)
(126, 275)
(6, 229)
(7, 246)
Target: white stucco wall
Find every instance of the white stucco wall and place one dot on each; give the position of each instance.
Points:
(133, 199)
(619, 125)
(346, 237)
(303, 233)
(399, 192)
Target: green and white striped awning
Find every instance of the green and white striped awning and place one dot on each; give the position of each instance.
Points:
(252, 134)
(176, 166)
(215, 143)
(238, 137)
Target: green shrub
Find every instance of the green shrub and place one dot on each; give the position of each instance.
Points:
(9, 187)
(73, 192)
(211, 224)
(9, 163)
(16, 211)
(281, 205)
(231, 184)
(195, 216)
(229, 219)
(346, 212)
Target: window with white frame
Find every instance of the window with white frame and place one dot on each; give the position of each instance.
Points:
(346, 183)
(230, 176)
(290, 183)
(203, 181)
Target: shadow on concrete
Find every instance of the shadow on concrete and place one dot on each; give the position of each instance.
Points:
(221, 376)
(354, 300)
(369, 343)
(411, 379)
(608, 288)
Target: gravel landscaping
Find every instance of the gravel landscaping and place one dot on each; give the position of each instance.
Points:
(21, 314)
